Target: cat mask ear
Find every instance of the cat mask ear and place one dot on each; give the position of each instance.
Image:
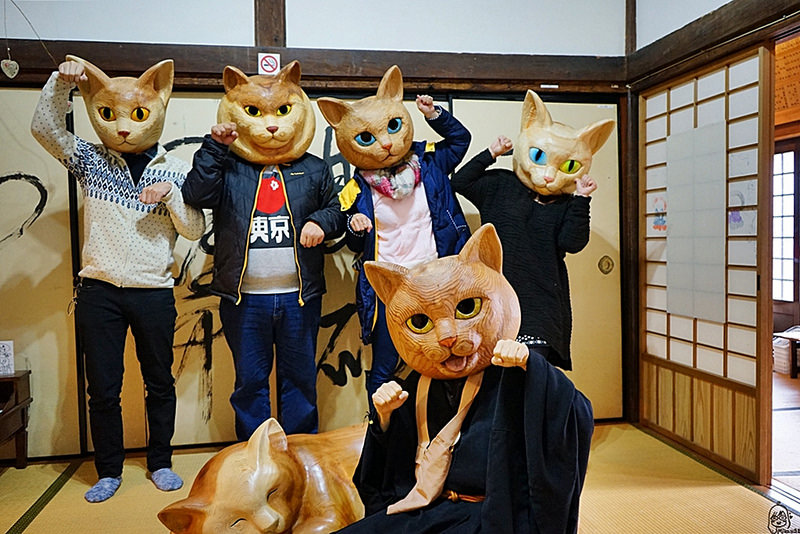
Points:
(385, 278)
(290, 73)
(159, 77)
(391, 86)
(96, 77)
(595, 135)
(231, 77)
(534, 112)
(484, 247)
(333, 110)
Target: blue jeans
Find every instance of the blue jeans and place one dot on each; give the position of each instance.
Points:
(251, 329)
(103, 314)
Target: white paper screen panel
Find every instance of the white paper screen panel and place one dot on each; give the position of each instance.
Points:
(711, 85)
(656, 105)
(712, 334)
(696, 214)
(742, 369)
(700, 210)
(710, 360)
(744, 102)
(743, 73)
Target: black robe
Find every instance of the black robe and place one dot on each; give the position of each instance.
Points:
(536, 238)
(524, 445)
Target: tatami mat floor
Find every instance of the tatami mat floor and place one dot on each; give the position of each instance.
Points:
(635, 484)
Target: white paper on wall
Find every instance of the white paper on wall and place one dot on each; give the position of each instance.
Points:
(697, 218)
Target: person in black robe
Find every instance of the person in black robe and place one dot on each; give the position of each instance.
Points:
(524, 445)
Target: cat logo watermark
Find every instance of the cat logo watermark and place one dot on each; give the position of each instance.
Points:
(780, 520)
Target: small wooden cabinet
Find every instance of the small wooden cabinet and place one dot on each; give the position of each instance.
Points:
(15, 400)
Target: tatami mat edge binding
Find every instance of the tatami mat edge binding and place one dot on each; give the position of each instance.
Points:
(36, 508)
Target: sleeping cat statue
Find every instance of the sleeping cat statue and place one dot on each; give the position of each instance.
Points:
(274, 484)
(483, 435)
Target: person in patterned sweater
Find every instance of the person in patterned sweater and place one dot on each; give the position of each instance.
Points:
(133, 212)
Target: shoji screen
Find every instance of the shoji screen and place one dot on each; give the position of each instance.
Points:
(703, 141)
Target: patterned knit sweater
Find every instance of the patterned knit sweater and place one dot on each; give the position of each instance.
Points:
(125, 242)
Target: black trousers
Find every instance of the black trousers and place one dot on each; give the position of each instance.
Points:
(104, 313)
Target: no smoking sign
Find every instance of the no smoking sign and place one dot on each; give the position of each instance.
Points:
(269, 63)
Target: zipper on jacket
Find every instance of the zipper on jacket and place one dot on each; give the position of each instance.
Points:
(296, 237)
(247, 242)
(375, 257)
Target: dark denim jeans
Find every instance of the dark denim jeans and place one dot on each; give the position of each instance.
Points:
(104, 313)
(251, 329)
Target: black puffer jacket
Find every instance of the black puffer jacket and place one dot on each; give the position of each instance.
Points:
(227, 184)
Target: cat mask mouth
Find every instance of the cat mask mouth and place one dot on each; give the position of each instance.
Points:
(459, 364)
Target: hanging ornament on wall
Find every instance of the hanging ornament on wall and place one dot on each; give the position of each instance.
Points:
(10, 67)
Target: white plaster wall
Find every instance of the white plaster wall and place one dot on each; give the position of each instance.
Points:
(143, 21)
(656, 18)
(547, 27)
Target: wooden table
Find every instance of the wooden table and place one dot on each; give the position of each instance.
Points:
(793, 336)
(15, 398)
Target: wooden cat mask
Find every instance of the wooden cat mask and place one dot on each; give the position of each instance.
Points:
(549, 156)
(446, 316)
(375, 132)
(274, 484)
(127, 113)
(273, 114)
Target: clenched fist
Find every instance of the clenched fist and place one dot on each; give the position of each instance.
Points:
(389, 397)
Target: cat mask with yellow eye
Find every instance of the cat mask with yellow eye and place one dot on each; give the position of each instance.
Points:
(375, 132)
(549, 156)
(446, 316)
(127, 113)
(273, 115)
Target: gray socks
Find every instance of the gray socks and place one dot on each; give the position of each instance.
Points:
(104, 489)
(166, 479)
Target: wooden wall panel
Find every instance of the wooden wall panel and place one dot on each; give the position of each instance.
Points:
(702, 422)
(649, 392)
(684, 403)
(722, 417)
(666, 391)
(745, 433)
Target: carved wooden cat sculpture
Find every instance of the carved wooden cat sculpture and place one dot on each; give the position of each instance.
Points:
(549, 156)
(273, 114)
(375, 132)
(274, 484)
(127, 113)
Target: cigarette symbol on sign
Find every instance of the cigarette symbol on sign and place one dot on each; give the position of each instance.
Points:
(269, 64)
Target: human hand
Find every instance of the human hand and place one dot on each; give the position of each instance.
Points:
(153, 194)
(510, 353)
(224, 133)
(389, 397)
(584, 186)
(360, 223)
(500, 146)
(311, 235)
(72, 71)
(425, 105)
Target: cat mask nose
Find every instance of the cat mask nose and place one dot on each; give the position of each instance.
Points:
(124, 134)
(272, 129)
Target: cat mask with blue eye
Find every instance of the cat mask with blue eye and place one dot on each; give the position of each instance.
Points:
(375, 132)
(549, 156)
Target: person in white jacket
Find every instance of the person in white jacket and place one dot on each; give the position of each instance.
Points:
(133, 211)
